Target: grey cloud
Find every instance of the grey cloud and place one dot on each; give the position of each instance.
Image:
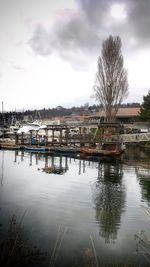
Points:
(95, 10)
(139, 19)
(137, 25)
(41, 41)
(78, 37)
(77, 34)
(73, 39)
(70, 35)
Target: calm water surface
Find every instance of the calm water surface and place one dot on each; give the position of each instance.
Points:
(94, 210)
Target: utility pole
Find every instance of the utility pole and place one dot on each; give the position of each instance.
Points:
(3, 120)
(2, 142)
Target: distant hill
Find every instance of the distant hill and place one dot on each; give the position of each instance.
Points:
(8, 118)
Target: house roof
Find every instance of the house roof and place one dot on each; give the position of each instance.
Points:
(122, 112)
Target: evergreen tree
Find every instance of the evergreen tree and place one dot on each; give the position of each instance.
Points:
(145, 108)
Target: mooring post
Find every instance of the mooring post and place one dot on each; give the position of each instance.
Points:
(36, 158)
(22, 140)
(52, 136)
(66, 136)
(60, 162)
(99, 137)
(30, 164)
(80, 135)
(31, 137)
(66, 163)
(70, 138)
(52, 161)
(46, 137)
(36, 136)
(38, 139)
(46, 161)
(60, 137)
(16, 139)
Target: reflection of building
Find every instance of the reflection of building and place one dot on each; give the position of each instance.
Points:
(109, 198)
(143, 175)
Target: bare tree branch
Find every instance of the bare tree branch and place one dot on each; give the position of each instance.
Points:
(111, 84)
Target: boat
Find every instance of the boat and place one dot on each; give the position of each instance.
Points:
(100, 152)
(34, 126)
(9, 146)
(106, 149)
(35, 149)
(106, 141)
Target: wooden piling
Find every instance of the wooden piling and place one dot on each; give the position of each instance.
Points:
(31, 136)
(46, 137)
(53, 136)
(60, 137)
(22, 139)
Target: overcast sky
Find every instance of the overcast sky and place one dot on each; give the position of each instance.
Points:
(49, 49)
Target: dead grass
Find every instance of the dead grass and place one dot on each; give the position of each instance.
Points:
(16, 250)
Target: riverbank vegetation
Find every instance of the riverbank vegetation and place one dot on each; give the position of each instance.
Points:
(15, 249)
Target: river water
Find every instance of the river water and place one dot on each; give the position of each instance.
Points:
(81, 213)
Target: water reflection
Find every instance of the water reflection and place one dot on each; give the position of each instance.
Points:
(136, 153)
(52, 164)
(2, 168)
(51, 167)
(143, 176)
(133, 153)
(140, 158)
(54, 201)
(109, 198)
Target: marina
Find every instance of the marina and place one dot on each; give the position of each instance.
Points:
(72, 187)
(75, 133)
(103, 142)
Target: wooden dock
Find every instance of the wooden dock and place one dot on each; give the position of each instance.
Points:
(65, 141)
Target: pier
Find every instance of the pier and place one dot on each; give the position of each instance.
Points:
(62, 136)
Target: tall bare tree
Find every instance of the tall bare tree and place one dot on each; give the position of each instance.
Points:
(111, 85)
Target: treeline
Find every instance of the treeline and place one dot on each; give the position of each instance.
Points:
(39, 114)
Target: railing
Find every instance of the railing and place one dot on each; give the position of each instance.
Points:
(135, 138)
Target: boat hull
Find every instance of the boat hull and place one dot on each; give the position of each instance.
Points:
(36, 149)
(100, 153)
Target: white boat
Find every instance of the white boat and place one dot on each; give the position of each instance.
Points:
(34, 126)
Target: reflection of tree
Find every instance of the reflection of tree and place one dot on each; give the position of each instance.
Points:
(136, 153)
(109, 198)
(143, 175)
